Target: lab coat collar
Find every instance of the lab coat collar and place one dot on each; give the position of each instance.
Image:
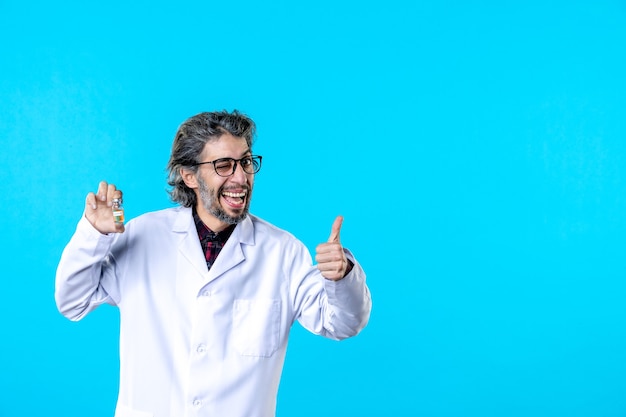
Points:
(231, 255)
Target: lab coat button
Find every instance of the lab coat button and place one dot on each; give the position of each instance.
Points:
(206, 293)
(201, 348)
(197, 403)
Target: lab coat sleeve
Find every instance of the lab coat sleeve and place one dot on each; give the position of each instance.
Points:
(86, 265)
(333, 309)
(349, 301)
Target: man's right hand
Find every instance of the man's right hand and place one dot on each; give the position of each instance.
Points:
(99, 209)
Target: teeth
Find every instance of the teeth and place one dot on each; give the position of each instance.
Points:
(228, 194)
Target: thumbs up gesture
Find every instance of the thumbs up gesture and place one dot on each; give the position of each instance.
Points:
(330, 257)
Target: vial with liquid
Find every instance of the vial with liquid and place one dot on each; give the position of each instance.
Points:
(118, 211)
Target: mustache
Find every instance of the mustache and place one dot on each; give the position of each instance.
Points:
(244, 187)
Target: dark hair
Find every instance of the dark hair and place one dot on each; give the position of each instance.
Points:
(189, 143)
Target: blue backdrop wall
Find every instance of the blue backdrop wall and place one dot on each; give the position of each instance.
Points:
(477, 150)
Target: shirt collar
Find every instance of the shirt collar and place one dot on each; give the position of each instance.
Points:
(206, 234)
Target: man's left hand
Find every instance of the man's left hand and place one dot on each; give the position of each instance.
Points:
(330, 257)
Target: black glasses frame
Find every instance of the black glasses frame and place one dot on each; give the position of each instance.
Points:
(254, 164)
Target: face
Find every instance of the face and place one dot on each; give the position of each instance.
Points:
(222, 201)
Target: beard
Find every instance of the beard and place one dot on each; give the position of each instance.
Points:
(210, 199)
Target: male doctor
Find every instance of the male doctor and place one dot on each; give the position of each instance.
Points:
(207, 292)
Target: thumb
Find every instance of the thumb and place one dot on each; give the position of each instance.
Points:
(334, 231)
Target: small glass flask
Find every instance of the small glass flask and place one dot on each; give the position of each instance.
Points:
(118, 211)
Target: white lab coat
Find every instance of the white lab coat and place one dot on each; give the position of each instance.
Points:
(195, 342)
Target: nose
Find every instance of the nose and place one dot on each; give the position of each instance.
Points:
(239, 176)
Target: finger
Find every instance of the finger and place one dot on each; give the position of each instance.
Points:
(330, 267)
(111, 192)
(102, 191)
(119, 227)
(114, 192)
(334, 231)
(328, 253)
(90, 201)
(332, 270)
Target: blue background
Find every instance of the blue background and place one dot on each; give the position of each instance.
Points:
(477, 150)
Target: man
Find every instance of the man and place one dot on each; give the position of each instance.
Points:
(207, 292)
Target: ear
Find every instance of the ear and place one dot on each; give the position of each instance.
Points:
(189, 177)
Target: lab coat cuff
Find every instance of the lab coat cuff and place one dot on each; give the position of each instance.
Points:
(350, 302)
(349, 286)
(88, 233)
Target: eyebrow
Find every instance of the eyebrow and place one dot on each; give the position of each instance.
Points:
(249, 151)
(246, 152)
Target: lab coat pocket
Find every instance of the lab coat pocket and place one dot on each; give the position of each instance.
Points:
(123, 411)
(256, 327)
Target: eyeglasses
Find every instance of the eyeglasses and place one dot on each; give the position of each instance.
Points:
(225, 167)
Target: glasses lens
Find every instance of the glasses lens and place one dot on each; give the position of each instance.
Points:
(256, 164)
(251, 165)
(224, 167)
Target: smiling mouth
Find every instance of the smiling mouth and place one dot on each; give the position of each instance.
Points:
(235, 199)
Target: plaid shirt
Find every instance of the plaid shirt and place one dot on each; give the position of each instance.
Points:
(211, 242)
